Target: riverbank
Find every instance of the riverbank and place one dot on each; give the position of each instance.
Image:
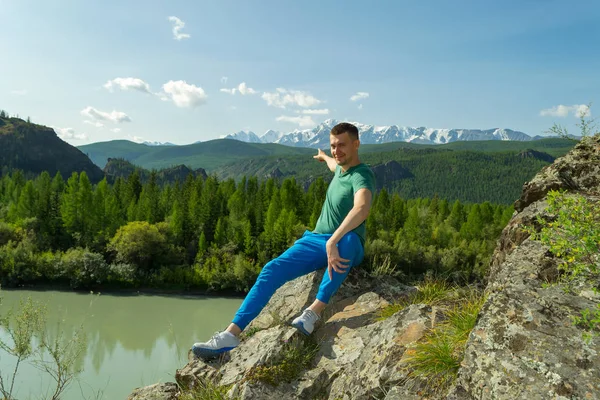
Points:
(116, 290)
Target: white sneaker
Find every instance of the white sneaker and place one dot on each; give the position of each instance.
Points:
(219, 343)
(305, 323)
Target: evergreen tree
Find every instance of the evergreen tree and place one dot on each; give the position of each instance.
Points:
(202, 245)
(220, 232)
(87, 213)
(26, 207)
(71, 208)
(456, 218)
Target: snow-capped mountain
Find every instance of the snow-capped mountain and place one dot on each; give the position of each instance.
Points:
(318, 137)
(244, 136)
(271, 136)
(159, 144)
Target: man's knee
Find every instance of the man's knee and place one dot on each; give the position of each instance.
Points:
(350, 247)
(268, 268)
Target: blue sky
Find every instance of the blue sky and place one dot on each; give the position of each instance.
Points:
(103, 70)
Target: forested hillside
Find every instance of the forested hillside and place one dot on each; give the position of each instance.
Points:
(419, 172)
(36, 148)
(208, 155)
(120, 168)
(215, 234)
(486, 171)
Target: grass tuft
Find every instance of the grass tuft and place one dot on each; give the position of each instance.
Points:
(430, 292)
(437, 358)
(298, 354)
(206, 390)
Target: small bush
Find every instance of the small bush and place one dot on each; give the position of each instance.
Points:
(123, 272)
(573, 236)
(83, 268)
(8, 233)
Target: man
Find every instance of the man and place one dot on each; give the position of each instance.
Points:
(337, 243)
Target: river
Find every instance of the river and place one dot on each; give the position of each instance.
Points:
(132, 340)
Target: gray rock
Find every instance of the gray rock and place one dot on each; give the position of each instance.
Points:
(158, 391)
(524, 344)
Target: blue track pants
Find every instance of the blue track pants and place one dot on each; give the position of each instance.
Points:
(306, 255)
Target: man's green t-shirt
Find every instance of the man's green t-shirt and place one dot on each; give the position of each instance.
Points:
(340, 198)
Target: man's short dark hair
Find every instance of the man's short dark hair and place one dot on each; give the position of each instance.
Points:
(343, 127)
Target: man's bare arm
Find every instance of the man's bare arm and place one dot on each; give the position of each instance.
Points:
(358, 213)
(322, 157)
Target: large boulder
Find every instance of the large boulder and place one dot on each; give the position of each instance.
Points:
(525, 344)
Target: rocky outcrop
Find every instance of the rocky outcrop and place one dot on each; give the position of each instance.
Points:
(276, 174)
(538, 155)
(158, 391)
(391, 171)
(524, 345)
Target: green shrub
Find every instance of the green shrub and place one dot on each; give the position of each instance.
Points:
(8, 233)
(18, 263)
(123, 272)
(573, 235)
(83, 268)
(141, 244)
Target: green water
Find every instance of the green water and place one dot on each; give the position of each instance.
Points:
(131, 340)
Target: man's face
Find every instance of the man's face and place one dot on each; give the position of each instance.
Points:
(343, 149)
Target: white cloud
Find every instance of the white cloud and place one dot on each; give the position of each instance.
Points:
(184, 94)
(96, 124)
(304, 121)
(69, 133)
(322, 111)
(224, 80)
(114, 116)
(359, 96)
(577, 110)
(128, 84)
(583, 111)
(20, 92)
(360, 106)
(284, 97)
(116, 130)
(138, 139)
(241, 89)
(177, 27)
(244, 90)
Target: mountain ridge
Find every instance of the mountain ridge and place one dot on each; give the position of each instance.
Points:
(318, 137)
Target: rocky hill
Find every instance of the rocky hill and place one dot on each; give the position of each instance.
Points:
(524, 344)
(36, 148)
(118, 167)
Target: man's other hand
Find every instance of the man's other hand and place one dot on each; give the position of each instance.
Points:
(334, 261)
